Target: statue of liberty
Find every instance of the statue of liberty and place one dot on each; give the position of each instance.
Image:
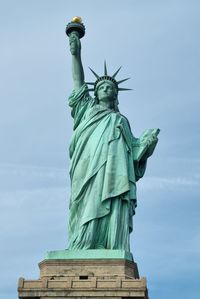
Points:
(106, 159)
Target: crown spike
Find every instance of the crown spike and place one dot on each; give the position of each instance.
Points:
(119, 82)
(97, 76)
(115, 74)
(105, 69)
(121, 89)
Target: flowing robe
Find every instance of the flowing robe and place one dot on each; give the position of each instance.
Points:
(103, 176)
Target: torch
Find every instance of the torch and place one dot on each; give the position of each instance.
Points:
(77, 25)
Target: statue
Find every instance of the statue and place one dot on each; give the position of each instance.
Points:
(106, 159)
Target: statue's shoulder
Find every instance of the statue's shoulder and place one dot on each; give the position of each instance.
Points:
(80, 95)
(124, 120)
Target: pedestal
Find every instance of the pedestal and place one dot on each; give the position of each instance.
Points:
(102, 273)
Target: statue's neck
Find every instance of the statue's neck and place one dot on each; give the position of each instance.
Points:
(106, 104)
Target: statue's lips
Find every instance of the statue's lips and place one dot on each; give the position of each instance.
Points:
(105, 92)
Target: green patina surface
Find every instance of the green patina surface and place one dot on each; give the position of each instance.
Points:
(88, 254)
(106, 162)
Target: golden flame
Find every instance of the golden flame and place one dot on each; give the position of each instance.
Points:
(77, 19)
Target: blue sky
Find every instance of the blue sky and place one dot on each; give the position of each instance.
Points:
(157, 43)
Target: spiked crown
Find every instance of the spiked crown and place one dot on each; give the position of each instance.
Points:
(107, 77)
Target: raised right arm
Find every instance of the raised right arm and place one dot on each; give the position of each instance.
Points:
(77, 67)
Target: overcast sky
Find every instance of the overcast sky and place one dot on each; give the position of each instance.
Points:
(157, 43)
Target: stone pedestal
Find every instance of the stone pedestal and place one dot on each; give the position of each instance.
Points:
(85, 278)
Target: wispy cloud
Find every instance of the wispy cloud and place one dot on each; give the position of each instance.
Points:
(154, 183)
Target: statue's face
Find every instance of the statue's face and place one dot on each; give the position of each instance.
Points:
(106, 91)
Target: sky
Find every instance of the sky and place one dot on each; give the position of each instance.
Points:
(157, 43)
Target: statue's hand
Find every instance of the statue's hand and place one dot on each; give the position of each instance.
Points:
(75, 44)
(152, 141)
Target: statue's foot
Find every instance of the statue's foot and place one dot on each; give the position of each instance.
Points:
(99, 246)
